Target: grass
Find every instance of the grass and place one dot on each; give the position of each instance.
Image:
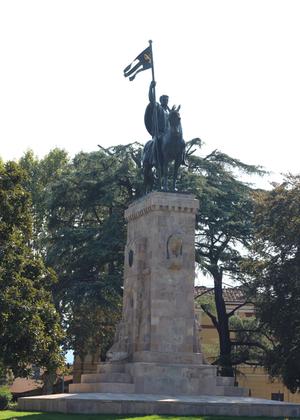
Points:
(15, 415)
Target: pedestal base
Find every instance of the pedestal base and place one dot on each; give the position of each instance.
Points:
(158, 404)
(159, 377)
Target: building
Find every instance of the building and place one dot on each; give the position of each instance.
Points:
(252, 377)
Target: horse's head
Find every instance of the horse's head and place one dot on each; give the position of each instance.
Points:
(174, 116)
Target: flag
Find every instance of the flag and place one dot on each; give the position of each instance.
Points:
(142, 62)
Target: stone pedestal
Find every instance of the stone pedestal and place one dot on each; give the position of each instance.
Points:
(156, 348)
(159, 272)
(87, 365)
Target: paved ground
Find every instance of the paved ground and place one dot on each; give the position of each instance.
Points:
(158, 404)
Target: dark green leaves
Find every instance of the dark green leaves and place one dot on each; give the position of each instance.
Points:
(274, 276)
(30, 330)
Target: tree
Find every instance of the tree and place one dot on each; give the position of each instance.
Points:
(274, 276)
(249, 340)
(30, 330)
(224, 228)
(40, 174)
(85, 240)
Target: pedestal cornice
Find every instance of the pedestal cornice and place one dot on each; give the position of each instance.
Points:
(162, 201)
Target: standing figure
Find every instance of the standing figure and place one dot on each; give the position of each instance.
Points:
(167, 143)
(157, 125)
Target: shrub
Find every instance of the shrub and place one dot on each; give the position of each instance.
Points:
(5, 397)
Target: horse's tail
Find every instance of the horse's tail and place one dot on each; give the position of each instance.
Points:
(147, 153)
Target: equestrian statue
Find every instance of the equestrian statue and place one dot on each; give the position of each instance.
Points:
(164, 126)
(167, 144)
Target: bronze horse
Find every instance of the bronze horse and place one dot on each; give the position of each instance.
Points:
(158, 153)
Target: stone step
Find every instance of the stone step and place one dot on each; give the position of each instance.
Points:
(157, 373)
(232, 391)
(112, 387)
(167, 357)
(160, 405)
(244, 392)
(111, 367)
(106, 377)
(225, 380)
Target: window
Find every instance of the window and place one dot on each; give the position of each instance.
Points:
(277, 396)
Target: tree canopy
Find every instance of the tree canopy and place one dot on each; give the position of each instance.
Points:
(80, 211)
(274, 276)
(30, 329)
(223, 231)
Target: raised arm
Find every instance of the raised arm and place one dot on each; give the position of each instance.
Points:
(152, 92)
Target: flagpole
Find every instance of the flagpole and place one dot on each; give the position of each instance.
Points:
(155, 121)
(152, 67)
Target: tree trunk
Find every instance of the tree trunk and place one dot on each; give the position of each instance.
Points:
(223, 328)
(49, 380)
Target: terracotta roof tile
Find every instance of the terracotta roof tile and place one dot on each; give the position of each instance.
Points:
(231, 294)
(21, 385)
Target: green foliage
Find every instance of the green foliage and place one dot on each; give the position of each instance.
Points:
(80, 212)
(211, 351)
(250, 341)
(39, 176)
(225, 214)
(5, 397)
(274, 276)
(206, 302)
(224, 227)
(30, 330)
(6, 375)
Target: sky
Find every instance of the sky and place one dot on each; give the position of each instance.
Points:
(233, 66)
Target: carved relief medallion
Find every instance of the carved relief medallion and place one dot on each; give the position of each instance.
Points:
(174, 251)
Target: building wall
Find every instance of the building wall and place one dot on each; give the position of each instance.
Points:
(259, 384)
(253, 378)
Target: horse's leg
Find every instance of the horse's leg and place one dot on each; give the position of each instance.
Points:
(159, 174)
(176, 167)
(160, 171)
(147, 177)
(151, 178)
(165, 176)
